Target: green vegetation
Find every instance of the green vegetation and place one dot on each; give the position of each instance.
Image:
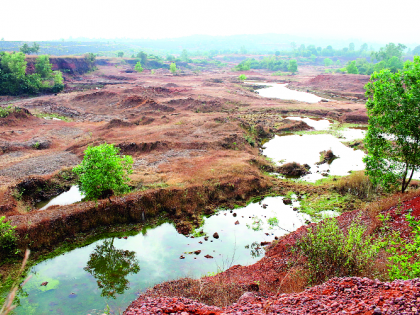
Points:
(120, 54)
(393, 137)
(330, 252)
(242, 77)
(26, 49)
(352, 68)
(15, 81)
(328, 62)
(405, 256)
(8, 238)
(103, 171)
(138, 67)
(172, 68)
(293, 66)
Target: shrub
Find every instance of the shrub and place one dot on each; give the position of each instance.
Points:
(357, 184)
(405, 256)
(8, 237)
(242, 77)
(330, 252)
(103, 171)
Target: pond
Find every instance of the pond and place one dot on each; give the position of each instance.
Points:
(113, 271)
(66, 198)
(316, 123)
(280, 90)
(305, 149)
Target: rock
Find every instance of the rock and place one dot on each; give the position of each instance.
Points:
(216, 235)
(197, 252)
(182, 257)
(295, 209)
(72, 295)
(206, 238)
(234, 214)
(237, 222)
(264, 206)
(44, 283)
(265, 243)
(287, 201)
(208, 256)
(125, 237)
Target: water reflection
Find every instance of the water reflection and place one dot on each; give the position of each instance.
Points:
(85, 278)
(66, 198)
(110, 267)
(306, 149)
(278, 90)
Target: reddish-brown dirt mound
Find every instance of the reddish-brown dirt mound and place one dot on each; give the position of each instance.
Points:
(351, 85)
(94, 95)
(336, 296)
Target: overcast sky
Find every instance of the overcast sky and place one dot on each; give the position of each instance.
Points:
(370, 20)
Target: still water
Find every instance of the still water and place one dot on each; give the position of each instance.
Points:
(114, 271)
(66, 198)
(280, 90)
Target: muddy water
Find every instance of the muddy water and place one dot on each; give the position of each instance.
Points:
(306, 149)
(278, 90)
(66, 198)
(85, 280)
(316, 123)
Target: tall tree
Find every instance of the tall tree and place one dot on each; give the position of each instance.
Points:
(393, 136)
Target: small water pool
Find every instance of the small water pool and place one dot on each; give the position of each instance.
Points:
(66, 198)
(280, 90)
(114, 271)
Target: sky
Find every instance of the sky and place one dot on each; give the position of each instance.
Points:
(370, 20)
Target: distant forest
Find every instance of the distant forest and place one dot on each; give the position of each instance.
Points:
(235, 44)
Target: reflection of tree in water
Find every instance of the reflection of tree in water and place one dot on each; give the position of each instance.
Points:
(110, 266)
(256, 249)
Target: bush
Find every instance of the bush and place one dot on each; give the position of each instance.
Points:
(8, 237)
(330, 252)
(103, 171)
(357, 184)
(405, 256)
(242, 77)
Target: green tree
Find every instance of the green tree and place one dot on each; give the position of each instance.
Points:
(120, 54)
(184, 56)
(242, 77)
(352, 68)
(43, 66)
(103, 171)
(328, 62)
(293, 66)
(172, 68)
(26, 49)
(110, 267)
(393, 136)
(389, 51)
(351, 46)
(416, 50)
(143, 57)
(138, 67)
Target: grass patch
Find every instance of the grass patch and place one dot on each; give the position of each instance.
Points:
(52, 115)
(313, 205)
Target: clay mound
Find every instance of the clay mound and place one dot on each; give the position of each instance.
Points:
(180, 102)
(16, 116)
(294, 125)
(152, 106)
(171, 85)
(133, 101)
(336, 296)
(294, 169)
(117, 123)
(144, 121)
(94, 96)
(359, 117)
(206, 106)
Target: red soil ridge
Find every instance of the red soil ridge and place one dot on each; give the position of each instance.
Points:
(336, 296)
